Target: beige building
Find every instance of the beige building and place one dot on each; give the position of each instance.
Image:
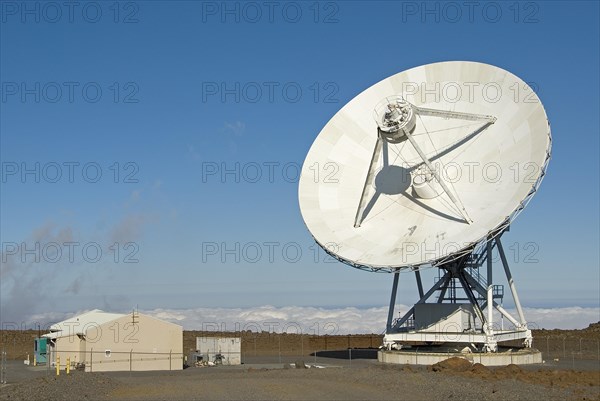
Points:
(101, 342)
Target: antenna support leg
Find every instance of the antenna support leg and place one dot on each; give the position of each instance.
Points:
(465, 317)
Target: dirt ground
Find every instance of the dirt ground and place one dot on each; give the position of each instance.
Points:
(363, 380)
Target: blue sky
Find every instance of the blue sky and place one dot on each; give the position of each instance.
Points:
(165, 92)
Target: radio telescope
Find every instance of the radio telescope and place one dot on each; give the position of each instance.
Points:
(429, 167)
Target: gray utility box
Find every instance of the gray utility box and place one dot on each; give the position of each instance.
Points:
(222, 350)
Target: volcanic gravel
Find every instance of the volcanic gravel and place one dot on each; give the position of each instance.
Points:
(75, 386)
(367, 381)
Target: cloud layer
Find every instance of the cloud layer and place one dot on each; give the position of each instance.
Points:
(311, 320)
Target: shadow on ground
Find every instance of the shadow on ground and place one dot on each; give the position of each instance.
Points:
(348, 354)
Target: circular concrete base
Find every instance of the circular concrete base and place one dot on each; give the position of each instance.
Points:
(420, 357)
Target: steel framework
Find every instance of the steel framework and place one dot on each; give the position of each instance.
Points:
(479, 293)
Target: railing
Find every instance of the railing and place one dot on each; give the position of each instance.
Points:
(408, 323)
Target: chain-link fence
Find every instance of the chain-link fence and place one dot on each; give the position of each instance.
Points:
(569, 352)
(101, 361)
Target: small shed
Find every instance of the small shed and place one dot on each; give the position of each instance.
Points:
(219, 350)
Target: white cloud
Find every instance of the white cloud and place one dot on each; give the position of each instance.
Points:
(342, 320)
(561, 318)
(312, 320)
(128, 229)
(232, 131)
(236, 128)
(193, 152)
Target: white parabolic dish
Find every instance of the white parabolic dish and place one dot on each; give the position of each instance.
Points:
(493, 170)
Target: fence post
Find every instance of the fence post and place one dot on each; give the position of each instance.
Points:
(3, 368)
(131, 359)
(350, 353)
(68, 365)
(58, 365)
(170, 351)
(91, 359)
